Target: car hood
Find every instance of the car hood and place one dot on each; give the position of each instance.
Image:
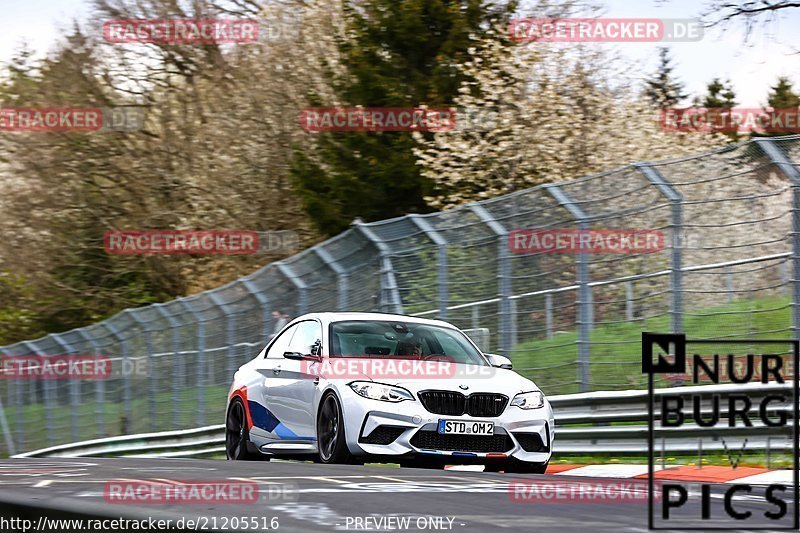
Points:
(500, 381)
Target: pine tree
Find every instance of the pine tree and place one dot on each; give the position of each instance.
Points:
(721, 96)
(663, 90)
(782, 95)
(397, 54)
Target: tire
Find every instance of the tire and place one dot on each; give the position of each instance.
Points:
(514, 466)
(331, 440)
(237, 436)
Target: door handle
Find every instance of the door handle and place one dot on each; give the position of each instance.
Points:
(276, 370)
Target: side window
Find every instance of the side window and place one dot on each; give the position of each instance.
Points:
(308, 338)
(281, 344)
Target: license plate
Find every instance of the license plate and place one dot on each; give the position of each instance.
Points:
(462, 427)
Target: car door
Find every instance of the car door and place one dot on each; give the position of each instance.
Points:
(291, 389)
(264, 421)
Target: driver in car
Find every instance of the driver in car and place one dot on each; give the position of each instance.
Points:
(413, 349)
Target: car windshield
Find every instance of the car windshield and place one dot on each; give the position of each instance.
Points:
(386, 339)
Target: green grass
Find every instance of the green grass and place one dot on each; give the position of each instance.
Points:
(615, 361)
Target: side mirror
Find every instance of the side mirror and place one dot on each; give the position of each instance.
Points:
(297, 356)
(499, 361)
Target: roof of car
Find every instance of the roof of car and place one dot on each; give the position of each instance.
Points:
(339, 317)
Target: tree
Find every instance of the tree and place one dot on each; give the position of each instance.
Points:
(556, 114)
(751, 13)
(397, 54)
(720, 95)
(782, 95)
(663, 90)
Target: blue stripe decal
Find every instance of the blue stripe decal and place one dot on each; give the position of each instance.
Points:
(464, 454)
(264, 419)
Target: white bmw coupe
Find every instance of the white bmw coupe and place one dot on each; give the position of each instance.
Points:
(355, 387)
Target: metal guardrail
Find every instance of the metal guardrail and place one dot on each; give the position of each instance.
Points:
(572, 411)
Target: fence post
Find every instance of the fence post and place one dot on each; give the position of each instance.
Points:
(47, 389)
(99, 383)
(201, 359)
(779, 158)
(585, 312)
(548, 315)
(299, 284)
(503, 276)
(177, 365)
(230, 326)
(629, 301)
(390, 300)
(9, 438)
(74, 390)
(676, 225)
(126, 380)
(263, 301)
(151, 374)
(342, 280)
(441, 263)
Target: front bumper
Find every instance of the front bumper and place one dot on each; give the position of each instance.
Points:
(515, 430)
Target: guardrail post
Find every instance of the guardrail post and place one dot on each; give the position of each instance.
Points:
(99, 383)
(476, 317)
(585, 312)
(124, 369)
(779, 158)
(503, 277)
(263, 301)
(201, 360)
(676, 225)
(390, 300)
(548, 315)
(342, 279)
(74, 389)
(151, 376)
(177, 364)
(441, 263)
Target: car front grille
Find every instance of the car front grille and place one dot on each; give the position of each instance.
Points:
(383, 435)
(432, 440)
(456, 404)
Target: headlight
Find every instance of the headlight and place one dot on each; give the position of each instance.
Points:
(529, 400)
(379, 391)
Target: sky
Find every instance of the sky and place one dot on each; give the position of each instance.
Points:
(751, 68)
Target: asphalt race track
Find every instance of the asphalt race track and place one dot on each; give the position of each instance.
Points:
(307, 497)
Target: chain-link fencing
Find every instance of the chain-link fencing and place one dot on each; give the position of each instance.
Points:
(728, 266)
